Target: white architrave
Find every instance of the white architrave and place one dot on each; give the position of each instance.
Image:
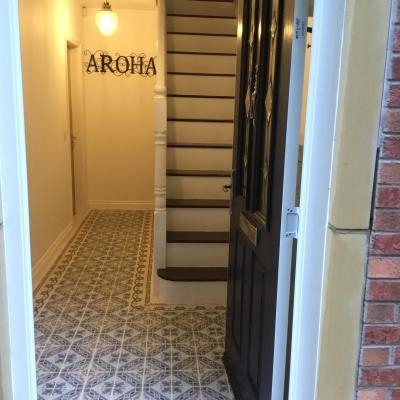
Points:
(17, 346)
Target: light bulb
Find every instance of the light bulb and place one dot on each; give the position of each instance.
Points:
(107, 20)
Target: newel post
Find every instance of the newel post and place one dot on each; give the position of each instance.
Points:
(160, 137)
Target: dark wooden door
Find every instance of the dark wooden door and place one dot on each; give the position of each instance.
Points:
(262, 99)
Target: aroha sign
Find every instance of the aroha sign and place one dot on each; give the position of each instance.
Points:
(133, 64)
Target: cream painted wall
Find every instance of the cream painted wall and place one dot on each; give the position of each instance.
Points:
(359, 105)
(119, 116)
(45, 26)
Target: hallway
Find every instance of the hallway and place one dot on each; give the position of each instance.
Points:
(97, 336)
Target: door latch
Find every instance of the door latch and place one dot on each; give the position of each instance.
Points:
(292, 222)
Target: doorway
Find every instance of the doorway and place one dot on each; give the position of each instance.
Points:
(27, 397)
(75, 134)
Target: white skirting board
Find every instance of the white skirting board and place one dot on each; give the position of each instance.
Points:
(43, 266)
(120, 205)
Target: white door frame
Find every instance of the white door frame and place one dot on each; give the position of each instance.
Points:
(18, 373)
(317, 162)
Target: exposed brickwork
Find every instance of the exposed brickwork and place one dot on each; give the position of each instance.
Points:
(379, 371)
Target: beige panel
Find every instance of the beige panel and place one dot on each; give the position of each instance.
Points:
(340, 333)
(358, 116)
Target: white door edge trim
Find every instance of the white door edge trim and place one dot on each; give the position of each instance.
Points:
(322, 102)
(298, 53)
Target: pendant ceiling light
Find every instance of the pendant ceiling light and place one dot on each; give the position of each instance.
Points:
(107, 20)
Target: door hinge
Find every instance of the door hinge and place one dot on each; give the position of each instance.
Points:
(292, 222)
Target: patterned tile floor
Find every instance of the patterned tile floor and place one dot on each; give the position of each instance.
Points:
(96, 335)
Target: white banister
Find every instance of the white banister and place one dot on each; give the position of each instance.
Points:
(160, 137)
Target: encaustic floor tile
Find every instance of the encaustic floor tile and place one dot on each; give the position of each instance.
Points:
(98, 338)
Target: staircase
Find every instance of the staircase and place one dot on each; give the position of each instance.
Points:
(201, 64)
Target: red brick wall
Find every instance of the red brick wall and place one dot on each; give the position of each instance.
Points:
(379, 372)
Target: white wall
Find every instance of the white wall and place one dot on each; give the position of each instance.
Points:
(119, 115)
(45, 25)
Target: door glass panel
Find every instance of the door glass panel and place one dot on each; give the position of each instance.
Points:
(269, 105)
(249, 98)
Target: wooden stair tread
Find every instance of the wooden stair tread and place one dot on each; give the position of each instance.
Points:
(197, 237)
(202, 145)
(196, 172)
(194, 274)
(197, 203)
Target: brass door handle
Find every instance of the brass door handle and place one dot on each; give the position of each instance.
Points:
(226, 188)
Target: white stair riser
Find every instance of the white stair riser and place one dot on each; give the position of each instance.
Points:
(198, 219)
(212, 8)
(200, 132)
(189, 292)
(208, 64)
(194, 108)
(194, 187)
(197, 254)
(201, 44)
(201, 25)
(201, 159)
(201, 85)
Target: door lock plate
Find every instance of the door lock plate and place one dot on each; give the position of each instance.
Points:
(292, 222)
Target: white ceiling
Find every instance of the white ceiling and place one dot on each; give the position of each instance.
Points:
(127, 4)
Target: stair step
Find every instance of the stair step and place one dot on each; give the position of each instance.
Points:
(197, 237)
(197, 187)
(213, 86)
(194, 274)
(198, 108)
(221, 121)
(209, 34)
(198, 219)
(201, 25)
(200, 132)
(200, 96)
(202, 145)
(201, 8)
(201, 74)
(199, 63)
(205, 173)
(197, 254)
(197, 203)
(201, 44)
(199, 158)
